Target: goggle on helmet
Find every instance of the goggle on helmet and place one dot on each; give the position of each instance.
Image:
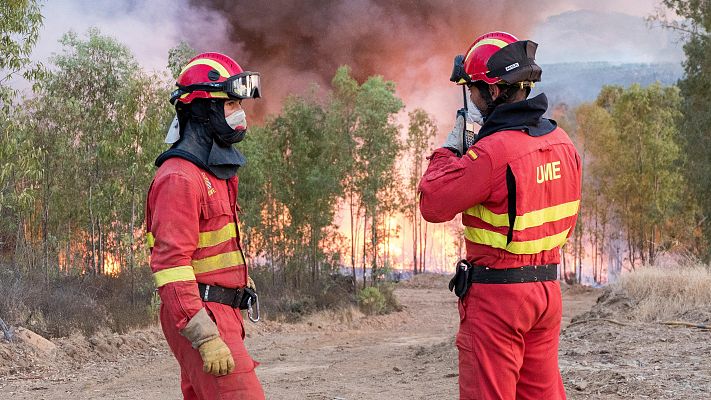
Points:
(215, 75)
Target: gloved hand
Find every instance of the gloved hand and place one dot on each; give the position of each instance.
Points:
(455, 139)
(202, 332)
(250, 283)
(216, 357)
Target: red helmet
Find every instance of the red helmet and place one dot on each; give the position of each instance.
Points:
(481, 50)
(495, 57)
(214, 75)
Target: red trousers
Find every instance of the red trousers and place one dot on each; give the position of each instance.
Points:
(241, 384)
(508, 342)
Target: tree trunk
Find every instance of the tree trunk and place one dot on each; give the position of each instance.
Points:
(365, 228)
(93, 233)
(414, 239)
(132, 227)
(45, 233)
(353, 247)
(424, 247)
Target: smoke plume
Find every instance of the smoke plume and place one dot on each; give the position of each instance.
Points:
(295, 43)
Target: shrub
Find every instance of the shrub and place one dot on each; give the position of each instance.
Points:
(78, 302)
(371, 301)
(391, 303)
(279, 300)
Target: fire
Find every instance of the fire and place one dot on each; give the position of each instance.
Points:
(443, 242)
(111, 265)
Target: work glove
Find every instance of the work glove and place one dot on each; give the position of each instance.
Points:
(250, 283)
(457, 139)
(216, 357)
(202, 332)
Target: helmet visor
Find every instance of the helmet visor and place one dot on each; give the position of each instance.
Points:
(243, 86)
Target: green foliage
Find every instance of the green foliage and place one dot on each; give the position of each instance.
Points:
(421, 132)
(20, 23)
(371, 301)
(630, 145)
(379, 299)
(178, 58)
(363, 116)
(290, 188)
(695, 126)
(76, 161)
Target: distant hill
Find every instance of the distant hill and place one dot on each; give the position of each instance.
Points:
(575, 83)
(588, 35)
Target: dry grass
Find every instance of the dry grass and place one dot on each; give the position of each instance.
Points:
(666, 293)
(427, 281)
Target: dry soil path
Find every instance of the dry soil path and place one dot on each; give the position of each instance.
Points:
(404, 355)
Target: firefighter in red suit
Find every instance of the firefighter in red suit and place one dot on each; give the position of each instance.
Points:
(193, 231)
(518, 189)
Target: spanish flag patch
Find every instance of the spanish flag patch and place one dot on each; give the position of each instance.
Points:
(472, 154)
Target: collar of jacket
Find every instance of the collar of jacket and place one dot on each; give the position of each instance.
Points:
(526, 115)
(196, 146)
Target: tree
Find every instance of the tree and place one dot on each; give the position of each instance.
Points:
(20, 23)
(421, 132)
(377, 148)
(178, 58)
(362, 115)
(630, 146)
(695, 126)
(595, 136)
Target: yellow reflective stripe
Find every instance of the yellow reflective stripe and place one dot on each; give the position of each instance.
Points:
(213, 94)
(483, 236)
(550, 214)
(212, 63)
(175, 274)
(497, 240)
(487, 216)
(150, 240)
(211, 238)
(496, 42)
(528, 220)
(219, 261)
(538, 245)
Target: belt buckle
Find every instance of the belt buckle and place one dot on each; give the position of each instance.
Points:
(207, 291)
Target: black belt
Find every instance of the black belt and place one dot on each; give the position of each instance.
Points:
(528, 273)
(222, 295)
(466, 274)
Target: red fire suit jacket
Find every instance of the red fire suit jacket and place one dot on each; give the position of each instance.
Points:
(519, 196)
(193, 232)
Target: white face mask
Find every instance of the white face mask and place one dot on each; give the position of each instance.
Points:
(237, 120)
(473, 112)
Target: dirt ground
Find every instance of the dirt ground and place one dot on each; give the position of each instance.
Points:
(345, 355)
